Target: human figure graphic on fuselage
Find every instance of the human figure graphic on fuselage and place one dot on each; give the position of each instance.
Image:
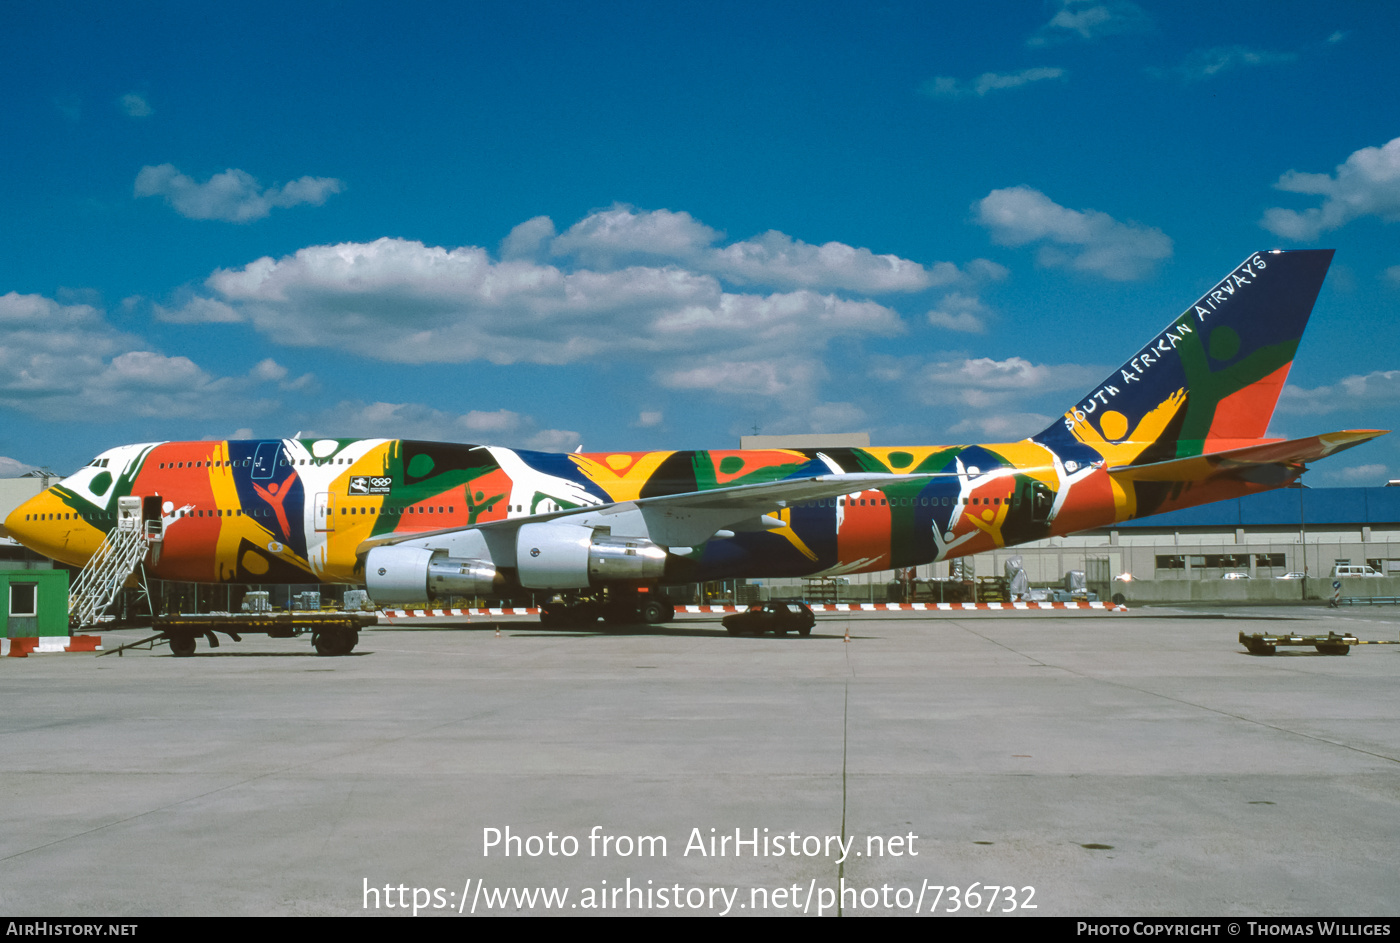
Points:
(275, 494)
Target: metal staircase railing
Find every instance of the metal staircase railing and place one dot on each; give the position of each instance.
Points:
(120, 553)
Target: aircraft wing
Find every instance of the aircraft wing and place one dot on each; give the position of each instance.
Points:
(692, 517)
(775, 494)
(1289, 454)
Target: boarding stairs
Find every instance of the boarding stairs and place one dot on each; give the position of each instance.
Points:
(125, 548)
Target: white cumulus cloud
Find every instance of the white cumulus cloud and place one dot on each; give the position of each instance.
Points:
(420, 421)
(1089, 20)
(399, 300)
(1083, 240)
(983, 382)
(135, 106)
(233, 196)
(65, 362)
(1377, 388)
(777, 259)
(1366, 184)
(622, 236)
(656, 293)
(12, 468)
(999, 427)
(945, 86)
(198, 310)
(960, 312)
(784, 378)
(1202, 64)
(529, 240)
(1372, 475)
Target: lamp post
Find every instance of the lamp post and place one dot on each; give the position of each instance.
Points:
(1303, 538)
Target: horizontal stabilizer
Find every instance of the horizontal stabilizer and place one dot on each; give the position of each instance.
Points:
(1292, 453)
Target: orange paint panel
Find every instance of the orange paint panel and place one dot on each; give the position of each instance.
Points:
(1085, 503)
(184, 484)
(184, 481)
(487, 499)
(1245, 413)
(865, 531)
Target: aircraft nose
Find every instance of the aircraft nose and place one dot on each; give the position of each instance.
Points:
(26, 522)
(13, 525)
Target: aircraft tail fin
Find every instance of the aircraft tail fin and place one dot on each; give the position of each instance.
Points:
(1207, 382)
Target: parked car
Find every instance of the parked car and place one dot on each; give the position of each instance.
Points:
(1342, 569)
(779, 618)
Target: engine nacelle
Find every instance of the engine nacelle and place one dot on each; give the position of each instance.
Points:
(557, 555)
(417, 574)
(625, 558)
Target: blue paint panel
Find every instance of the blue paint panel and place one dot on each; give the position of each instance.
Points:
(265, 479)
(816, 527)
(559, 465)
(1265, 301)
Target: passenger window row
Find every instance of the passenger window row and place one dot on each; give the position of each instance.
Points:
(235, 463)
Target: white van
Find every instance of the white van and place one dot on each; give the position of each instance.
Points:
(1346, 570)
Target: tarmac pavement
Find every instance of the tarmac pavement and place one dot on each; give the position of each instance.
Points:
(1083, 764)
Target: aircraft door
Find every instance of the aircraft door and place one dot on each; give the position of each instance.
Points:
(265, 460)
(129, 514)
(153, 524)
(1037, 498)
(325, 512)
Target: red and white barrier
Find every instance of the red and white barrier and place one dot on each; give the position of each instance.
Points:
(20, 647)
(926, 606)
(392, 614)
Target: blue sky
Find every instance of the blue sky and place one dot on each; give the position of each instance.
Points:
(636, 226)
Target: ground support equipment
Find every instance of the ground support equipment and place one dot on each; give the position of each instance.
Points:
(1261, 643)
(332, 633)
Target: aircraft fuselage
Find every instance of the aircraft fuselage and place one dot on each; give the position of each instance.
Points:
(275, 510)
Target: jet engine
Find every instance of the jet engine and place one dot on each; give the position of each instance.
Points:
(548, 555)
(557, 555)
(415, 574)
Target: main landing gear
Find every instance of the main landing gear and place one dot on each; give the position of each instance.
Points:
(615, 607)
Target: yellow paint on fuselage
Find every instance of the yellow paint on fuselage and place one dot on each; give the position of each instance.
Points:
(237, 526)
(351, 517)
(989, 521)
(52, 528)
(621, 474)
(918, 454)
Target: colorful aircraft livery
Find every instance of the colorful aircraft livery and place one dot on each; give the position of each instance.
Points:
(1181, 423)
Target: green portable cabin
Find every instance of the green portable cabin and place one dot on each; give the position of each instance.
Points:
(35, 602)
